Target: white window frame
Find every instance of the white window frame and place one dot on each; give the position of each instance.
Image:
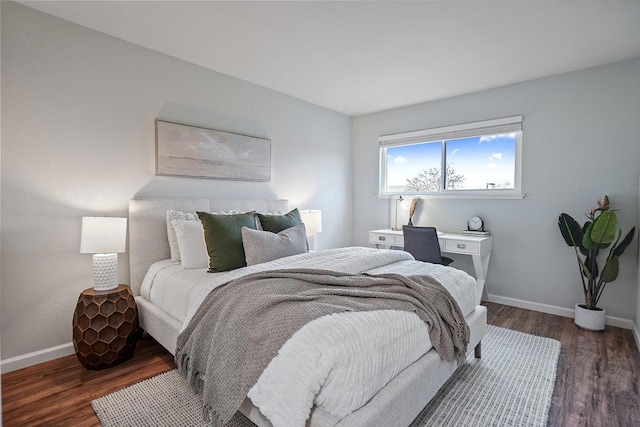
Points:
(487, 127)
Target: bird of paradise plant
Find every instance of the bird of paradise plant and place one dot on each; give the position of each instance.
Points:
(599, 232)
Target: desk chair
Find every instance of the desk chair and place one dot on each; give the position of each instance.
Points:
(422, 243)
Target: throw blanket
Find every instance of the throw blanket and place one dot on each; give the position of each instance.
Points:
(241, 326)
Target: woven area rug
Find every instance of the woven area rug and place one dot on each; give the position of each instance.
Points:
(511, 385)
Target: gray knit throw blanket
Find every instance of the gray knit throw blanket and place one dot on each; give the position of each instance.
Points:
(242, 325)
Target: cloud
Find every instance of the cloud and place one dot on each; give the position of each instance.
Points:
(492, 165)
(491, 138)
(496, 156)
(400, 160)
(455, 151)
(487, 138)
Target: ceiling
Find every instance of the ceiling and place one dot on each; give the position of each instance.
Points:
(360, 57)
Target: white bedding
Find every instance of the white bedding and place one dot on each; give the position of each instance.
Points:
(323, 364)
(179, 291)
(338, 362)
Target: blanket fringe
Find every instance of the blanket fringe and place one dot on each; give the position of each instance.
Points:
(186, 369)
(463, 333)
(179, 357)
(211, 417)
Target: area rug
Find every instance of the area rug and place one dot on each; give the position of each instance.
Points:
(511, 385)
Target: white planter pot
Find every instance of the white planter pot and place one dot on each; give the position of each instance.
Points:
(592, 320)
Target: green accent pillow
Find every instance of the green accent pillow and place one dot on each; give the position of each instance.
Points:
(223, 236)
(278, 223)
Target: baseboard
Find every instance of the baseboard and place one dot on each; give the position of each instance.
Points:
(40, 356)
(559, 311)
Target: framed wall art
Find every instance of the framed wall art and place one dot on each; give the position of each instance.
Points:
(190, 151)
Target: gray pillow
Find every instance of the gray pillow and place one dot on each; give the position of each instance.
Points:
(265, 246)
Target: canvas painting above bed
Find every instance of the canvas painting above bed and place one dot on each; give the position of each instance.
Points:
(183, 150)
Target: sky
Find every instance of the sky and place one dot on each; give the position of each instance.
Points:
(482, 160)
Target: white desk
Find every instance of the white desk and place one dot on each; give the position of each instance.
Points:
(479, 248)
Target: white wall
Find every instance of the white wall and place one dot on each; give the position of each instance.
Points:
(0, 207)
(637, 318)
(580, 142)
(78, 109)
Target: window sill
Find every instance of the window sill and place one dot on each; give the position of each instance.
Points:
(462, 194)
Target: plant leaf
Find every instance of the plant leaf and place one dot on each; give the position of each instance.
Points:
(584, 251)
(585, 270)
(604, 228)
(570, 230)
(610, 270)
(587, 242)
(587, 263)
(618, 235)
(618, 250)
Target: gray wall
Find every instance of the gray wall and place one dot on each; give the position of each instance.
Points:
(78, 111)
(637, 318)
(0, 203)
(580, 142)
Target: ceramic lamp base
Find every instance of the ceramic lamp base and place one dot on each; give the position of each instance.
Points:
(312, 241)
(105, 272)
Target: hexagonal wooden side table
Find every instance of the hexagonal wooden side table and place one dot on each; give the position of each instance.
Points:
(105, 327)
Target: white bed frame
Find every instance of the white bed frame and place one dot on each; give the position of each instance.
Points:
(398, 403)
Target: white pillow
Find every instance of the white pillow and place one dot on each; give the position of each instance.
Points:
(171, 233)
(184, 216)
(264, 246)
(193, 250)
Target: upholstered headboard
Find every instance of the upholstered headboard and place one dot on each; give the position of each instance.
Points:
(148, 226)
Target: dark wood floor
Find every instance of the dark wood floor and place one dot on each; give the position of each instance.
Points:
(598, 381)
(598, 377)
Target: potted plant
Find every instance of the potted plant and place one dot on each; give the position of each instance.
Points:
(599, 232)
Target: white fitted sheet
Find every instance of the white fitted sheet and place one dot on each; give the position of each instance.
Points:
(170, 287)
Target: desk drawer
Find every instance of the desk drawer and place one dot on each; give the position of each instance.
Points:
(462, 246)
(385, 239)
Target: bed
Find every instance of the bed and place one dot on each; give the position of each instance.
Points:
(167, 294)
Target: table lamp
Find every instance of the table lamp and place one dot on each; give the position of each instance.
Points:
(401, 204)
(104, 237)
(312, 220)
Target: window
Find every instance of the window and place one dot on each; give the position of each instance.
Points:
(481, 159)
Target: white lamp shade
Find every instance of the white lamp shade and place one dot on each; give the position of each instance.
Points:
(312, 220)
(103, 235)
